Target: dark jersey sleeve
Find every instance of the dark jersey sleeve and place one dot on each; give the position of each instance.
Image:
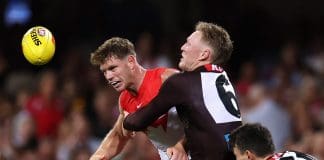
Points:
(170, 95)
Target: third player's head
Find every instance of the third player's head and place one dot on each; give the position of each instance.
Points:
(116, 58)
(251, 142)
(208, 44)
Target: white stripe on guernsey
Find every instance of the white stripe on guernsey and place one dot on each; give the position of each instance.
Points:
(212, 100)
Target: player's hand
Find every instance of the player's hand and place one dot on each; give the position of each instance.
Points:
(128, 133)
(98, 157)
(177, 152)
(125, 132)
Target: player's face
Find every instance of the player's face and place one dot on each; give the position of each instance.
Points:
(239, 155)
(191, 51)
(117, 72)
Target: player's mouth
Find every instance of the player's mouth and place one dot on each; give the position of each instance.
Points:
(114, 83)
(182, 55)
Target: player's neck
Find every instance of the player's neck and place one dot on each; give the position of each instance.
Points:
(199, 64)
(139, 74)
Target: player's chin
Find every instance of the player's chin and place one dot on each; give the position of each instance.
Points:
(119, 88)
(182, 66)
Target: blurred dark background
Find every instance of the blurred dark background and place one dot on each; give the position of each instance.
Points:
(277, 67)
(258, 28)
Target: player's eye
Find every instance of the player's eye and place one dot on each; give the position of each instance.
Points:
(105, 72)
(112, 68)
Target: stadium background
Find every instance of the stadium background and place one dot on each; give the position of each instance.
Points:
(277, 67)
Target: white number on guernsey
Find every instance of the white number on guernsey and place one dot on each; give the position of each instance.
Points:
(219, 97)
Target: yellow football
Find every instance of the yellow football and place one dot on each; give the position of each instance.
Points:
(38, 45)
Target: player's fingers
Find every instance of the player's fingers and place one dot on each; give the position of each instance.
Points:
(184, 157)
(175, 155)
(98, 157)
(179, 156)
(132, 134)
(169, 153)
(103, 158)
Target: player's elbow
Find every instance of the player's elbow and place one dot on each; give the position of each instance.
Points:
(133, 125)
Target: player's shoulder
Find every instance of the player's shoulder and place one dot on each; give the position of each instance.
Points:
(164, 70)
(168, 72)
(124, 97)
(177, 79)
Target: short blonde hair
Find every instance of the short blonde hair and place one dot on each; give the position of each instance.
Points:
(113, 47)
(218, 39)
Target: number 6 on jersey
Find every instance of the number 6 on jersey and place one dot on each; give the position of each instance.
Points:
(219, 97)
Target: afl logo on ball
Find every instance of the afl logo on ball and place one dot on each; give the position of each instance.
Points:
(41, 32)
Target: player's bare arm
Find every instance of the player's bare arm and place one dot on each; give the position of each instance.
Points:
(170, 94)
(176, 152)
(114, 141)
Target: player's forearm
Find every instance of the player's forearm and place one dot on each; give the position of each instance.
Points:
(115, 145)
(143, 117)
(100, 152)
(139, 120)
(112, 145)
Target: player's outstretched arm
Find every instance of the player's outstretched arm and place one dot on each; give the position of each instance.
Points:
(178, 152)
(171, 94)
(113, 143)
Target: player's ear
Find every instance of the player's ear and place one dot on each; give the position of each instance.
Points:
(204, 55)
(250, 155)
(131, 61)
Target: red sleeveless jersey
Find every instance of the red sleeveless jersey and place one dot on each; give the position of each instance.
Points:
(148, 90)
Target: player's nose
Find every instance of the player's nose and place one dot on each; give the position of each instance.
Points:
(108, 76)
(183, 47)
